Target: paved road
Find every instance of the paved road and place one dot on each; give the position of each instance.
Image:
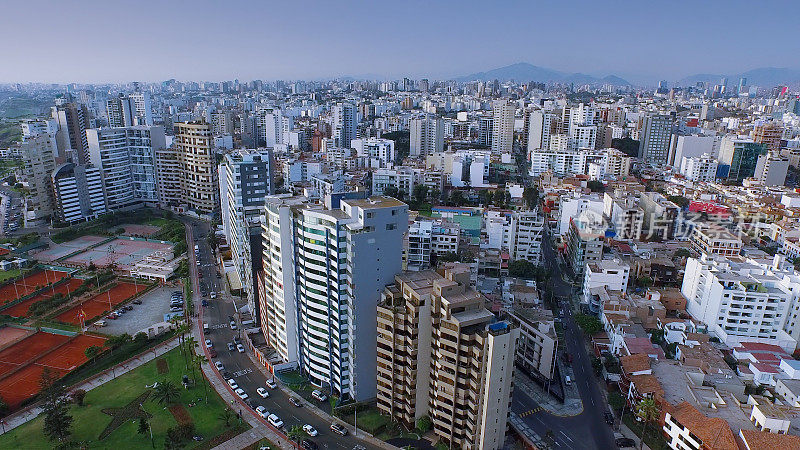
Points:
(587, 430)
(240, 366)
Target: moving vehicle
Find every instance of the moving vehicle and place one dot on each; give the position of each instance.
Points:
(295, 401)
(310, 430)
(568, 380)
(262, 392)
(240, 348)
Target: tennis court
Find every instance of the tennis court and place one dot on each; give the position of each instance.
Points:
(28, 349)
(68, 354)
(121, 253)
(99, 303)
(11, 334)
(21, 308)
(58, 251)
(29, 284)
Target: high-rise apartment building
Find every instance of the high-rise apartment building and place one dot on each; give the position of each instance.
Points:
(542, 125)
(324, 268)
(699, 168)
(503, 126)
(195, 155)
(769, 135)
(344, 124)
(771, 169)
(73, 120)
(38, 156)
(271, 127)
(245, 180)
(427, 135)
(442, 355)
(654, 143)
(120, 111)
(126, 158)
(78, 193)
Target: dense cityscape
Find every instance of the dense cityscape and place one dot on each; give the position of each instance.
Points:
(519, 258)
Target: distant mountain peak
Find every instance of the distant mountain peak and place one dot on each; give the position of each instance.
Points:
(523, 71)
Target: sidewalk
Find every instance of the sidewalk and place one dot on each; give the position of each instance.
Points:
(628, 433)
(572, 405)
(31, 412)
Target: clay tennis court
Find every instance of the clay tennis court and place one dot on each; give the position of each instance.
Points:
(29, 349)
(11, 334)
(98, 304)
(21, 308)
(69, 353)
(123, 253)
(29, 284)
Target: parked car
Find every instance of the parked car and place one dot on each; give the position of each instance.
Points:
(240, 348)
(295, 401)
(231, 347)
(310, 430)
(625, 442)
(339, 429)
(308, 444)
(609, 418)
(233, 325)
(262, 392)
(137, 302)
(241, 393)
(272, 384)
(319, 395)
(261, 411)
(100, 323)
(232, 383)
(209, 344)
(219, 365)
(275, 421)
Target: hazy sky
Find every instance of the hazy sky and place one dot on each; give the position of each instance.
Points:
(99, 41)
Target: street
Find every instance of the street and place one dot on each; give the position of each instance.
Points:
(218, 314)
(586, 430)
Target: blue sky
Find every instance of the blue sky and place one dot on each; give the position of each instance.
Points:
(99, 41)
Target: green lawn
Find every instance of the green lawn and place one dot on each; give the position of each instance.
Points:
(90, 421)
(652, 438)
(9, 274)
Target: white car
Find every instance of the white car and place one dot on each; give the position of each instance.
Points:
(219, 365)
(240, 348)
(241, 393)
(272, 384)
(213, 294)
(233, 325)
(310, 430)
(232, 383)
(262, 392)
(319, 395)
(209, 344)
(261, 411)
(275, 421)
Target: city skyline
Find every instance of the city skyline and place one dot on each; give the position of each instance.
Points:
(383, 41)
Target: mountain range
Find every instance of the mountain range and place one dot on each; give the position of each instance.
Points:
(528, 72)
(522, 72)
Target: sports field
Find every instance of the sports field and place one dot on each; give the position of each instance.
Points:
(29, 284)
(122, 253)
(21, 308)
(22, 364)
(99, 303)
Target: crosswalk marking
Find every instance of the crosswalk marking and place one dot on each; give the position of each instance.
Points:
(531, 411)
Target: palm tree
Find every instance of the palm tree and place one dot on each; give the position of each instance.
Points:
(198, 361)
(167, 392)
(226, 415)
(647, 411)
(296, 433)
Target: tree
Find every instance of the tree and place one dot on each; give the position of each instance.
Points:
(522, 268)
(391, 191)
(626, 145)
(296, 433)
(3, 407)
(617, 401)
(681, 253)
(647, 411)
(679, 200)
(167, 393)
(140, 338)
(57, 422)
(531, 197)
(77, 396)
(420, 193)
(595, 186)
(92, 352)
(457, 198)
(226, 416)
(499, 197)
(424, 424)
(436, 195)
(589, 324)
(644, 281)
